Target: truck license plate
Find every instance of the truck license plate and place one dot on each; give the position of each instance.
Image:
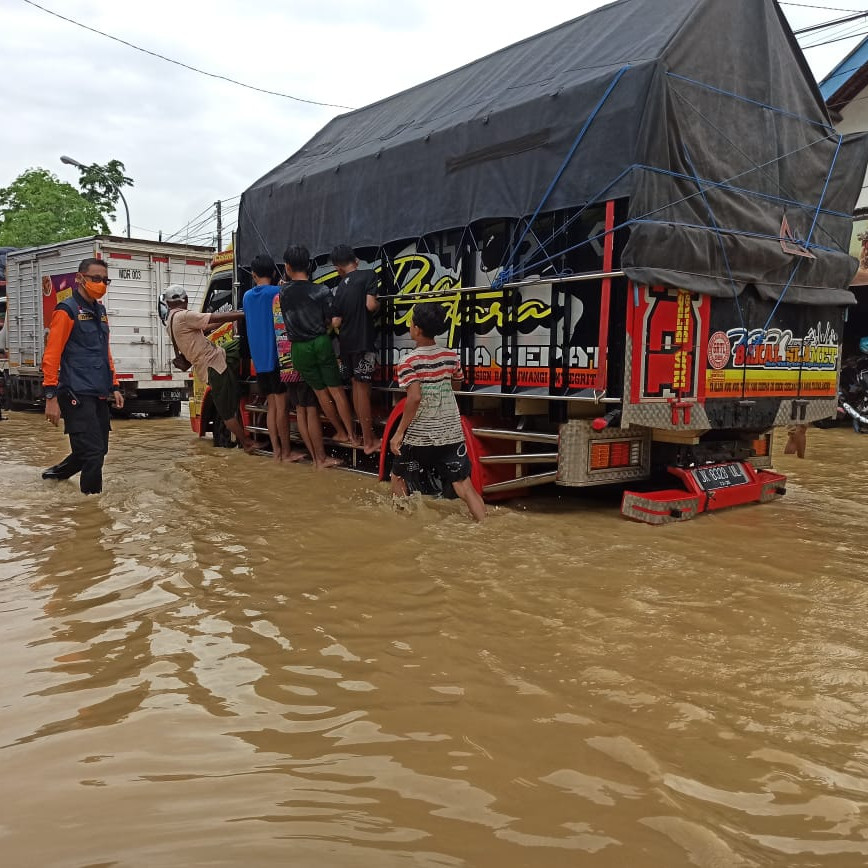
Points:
(171, 395)
(720, 476)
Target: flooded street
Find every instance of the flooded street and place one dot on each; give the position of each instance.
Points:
(221, 661)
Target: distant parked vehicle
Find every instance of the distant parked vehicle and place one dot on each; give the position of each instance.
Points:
(39, 277)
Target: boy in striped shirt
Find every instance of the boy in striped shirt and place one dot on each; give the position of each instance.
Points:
(429, 435)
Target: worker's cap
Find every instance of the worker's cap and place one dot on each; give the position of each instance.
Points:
(174, 293)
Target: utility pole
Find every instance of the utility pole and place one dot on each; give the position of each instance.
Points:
(219, 205)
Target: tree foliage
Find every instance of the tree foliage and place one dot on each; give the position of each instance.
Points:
(100, 185)
(38, 208)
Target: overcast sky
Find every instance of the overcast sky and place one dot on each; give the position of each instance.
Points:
(188, 140)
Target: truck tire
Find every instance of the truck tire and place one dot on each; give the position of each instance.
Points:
(5, 396)
(174, 408)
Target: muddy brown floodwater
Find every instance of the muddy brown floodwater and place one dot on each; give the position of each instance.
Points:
(220, 661)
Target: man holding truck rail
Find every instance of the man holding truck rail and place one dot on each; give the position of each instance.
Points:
(78, 377)
(212, 363)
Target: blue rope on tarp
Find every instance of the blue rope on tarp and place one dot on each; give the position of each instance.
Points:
(743, 233)
(594, 200)
(726, 138)
(506, 271)
(509, 273)
(769, 197)
(724, 185)
(641, 220)
(719, 237)
(807, 244)
(747, 99)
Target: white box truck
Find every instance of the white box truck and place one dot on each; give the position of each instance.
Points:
(38, 278)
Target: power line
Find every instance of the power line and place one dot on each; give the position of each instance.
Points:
(846, 20)
(187, 228)
(189, 225)
(203, 225)
(848, 31)
(145, 229)
(206, 210)
(184, 65)
(813, 6)
(198, 229)
(208, 214)
(836, 39)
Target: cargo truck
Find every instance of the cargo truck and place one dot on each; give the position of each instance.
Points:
(638, 223)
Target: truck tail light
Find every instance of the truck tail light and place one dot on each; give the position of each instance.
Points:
(761, 447)
(611, 454)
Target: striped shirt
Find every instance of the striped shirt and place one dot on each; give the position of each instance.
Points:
(437, 421)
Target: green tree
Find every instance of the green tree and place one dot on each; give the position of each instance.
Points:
(100, 185)
(39, 208)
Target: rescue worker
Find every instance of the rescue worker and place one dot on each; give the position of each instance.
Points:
(78, 377)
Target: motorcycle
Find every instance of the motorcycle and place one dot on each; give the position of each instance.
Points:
(852, 393)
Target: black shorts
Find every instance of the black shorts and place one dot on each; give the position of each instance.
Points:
(450, 461)
(360, 366)
(301, 395)
(269, 383)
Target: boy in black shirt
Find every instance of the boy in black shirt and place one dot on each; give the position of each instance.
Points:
(353, 316)
(307, 313)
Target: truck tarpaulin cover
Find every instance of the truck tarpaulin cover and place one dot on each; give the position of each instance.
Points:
(702, 112)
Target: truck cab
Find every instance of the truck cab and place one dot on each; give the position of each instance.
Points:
(220, 295)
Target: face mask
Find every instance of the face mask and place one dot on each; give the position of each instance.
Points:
(94, 290)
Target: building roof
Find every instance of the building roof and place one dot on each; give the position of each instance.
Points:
(847, 79)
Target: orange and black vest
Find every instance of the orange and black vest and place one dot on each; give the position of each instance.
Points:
(84, 365)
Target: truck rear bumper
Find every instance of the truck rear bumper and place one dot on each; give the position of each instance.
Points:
(682, 504)
(157, 389)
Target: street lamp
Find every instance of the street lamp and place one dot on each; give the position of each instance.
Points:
(70, 162)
